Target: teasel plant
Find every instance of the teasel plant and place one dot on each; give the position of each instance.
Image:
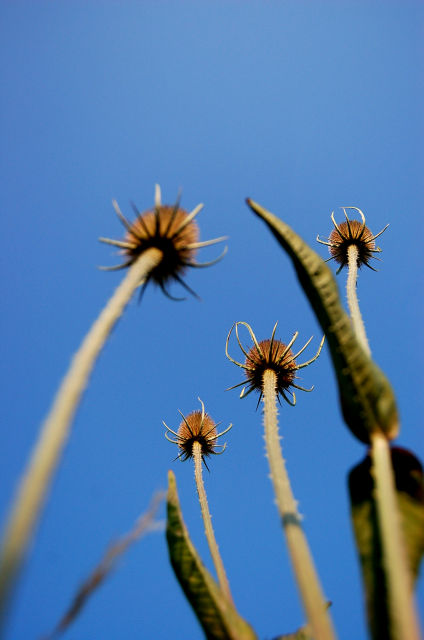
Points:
(159, 246)
(196, 439)
(271, 367)
(352, 245)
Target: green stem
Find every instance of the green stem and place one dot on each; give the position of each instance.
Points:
(210, 536)
(303, 565)
(352, 298)
(404, 620)
(55, 430)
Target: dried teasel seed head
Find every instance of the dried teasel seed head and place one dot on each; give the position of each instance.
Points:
(270, 355)
(170, 229)
(199, 427)
(348, 233)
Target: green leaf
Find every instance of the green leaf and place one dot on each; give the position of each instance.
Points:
(218, 617)
(367, 400)
(409, 482)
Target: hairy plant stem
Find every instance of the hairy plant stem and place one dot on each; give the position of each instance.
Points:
(400, 586)
(210, 536)
(352, 298)
(54, 432)
(303, 565)
(404, 620)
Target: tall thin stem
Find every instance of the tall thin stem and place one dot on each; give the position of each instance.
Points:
(404, 619)
(400, 587)
(303, 565)
(210, 535)
(55, 430)
(352, 298)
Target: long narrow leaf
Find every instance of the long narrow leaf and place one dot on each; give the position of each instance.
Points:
(219, 619)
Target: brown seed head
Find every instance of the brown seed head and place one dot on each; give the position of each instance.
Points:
(171, 230)
(167, 229)
(348, 233)
(197, 428)
(270, 355)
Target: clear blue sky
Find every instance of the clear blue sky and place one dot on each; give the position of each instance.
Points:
(303, 106)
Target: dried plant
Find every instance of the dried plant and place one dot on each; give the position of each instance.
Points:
(386, 488)
(352, 244)
(159, 246)
(197, 438)
(389, 525)
(270, 368)
(270, 354)
(172, 231)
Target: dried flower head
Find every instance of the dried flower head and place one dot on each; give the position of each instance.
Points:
(351, 232)
(270, 354)
(171, 230)
(199, 427)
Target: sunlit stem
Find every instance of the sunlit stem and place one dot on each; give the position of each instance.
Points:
(210, 536)
(352, 298)
(303, 565)
(55, 430)
(404, 620)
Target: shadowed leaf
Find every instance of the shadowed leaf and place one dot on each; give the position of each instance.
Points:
(219, 619)
(366, 397)
(409, 481)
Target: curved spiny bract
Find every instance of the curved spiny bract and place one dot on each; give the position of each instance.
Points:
(199, 427)
(171, 230)
(352, 232)
(274, 355)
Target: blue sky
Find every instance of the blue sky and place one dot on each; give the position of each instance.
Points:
(302, 106)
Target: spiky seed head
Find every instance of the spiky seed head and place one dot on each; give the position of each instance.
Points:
(347, 234)
(197, 427)
(272, 355)
(269, 355)
(171, 230)
(159, 228)
(352, 233)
